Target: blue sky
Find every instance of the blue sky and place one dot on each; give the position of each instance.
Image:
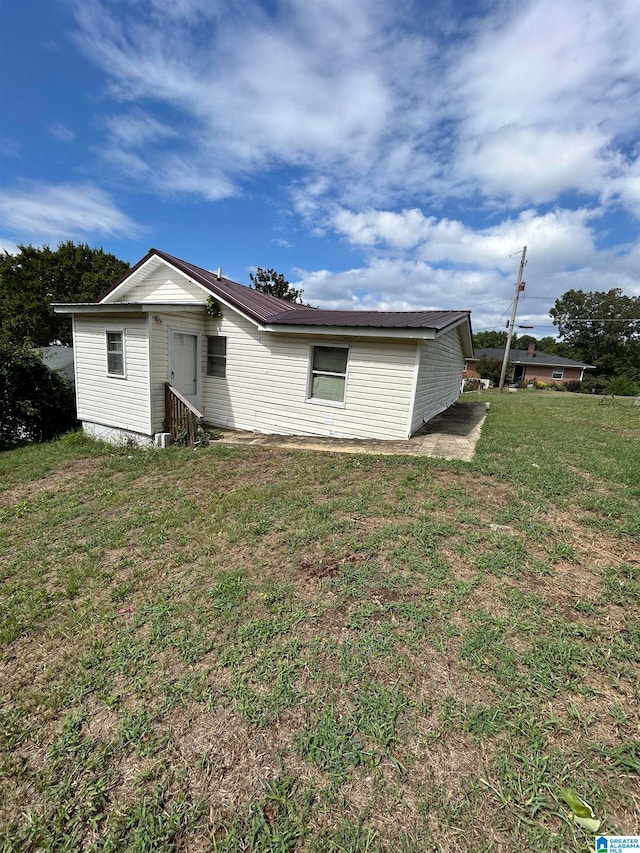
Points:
(380, 155)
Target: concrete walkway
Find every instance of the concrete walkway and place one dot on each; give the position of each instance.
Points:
(451, 435)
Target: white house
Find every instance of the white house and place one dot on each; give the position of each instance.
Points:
(262, 364)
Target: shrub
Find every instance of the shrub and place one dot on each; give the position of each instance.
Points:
(594, 384)
(472, 385)
(573, 385)
(490, 368)
(539, 384)
(622, 386)
(36, 403)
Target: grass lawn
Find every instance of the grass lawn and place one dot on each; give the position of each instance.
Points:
(261, 650)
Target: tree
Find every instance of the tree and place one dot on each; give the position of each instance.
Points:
(603, 328)
(490, 368)
(36, 403)
(275, 284)
(491, 340)
(34, 277)
(524, 342)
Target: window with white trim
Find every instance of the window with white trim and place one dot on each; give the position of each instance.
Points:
(557, 373)
(328, 373)
(217, 356)
(115, 353)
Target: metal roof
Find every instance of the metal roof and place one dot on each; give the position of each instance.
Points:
(372, 319)
(269, 310)
(259, 306)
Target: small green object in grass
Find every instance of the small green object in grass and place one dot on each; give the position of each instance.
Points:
(581, 811)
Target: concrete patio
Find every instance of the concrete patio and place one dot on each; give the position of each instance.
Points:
(451, 435)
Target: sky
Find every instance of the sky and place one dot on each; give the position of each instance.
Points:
(381, 155)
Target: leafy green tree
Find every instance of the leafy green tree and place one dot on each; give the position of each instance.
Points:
(490, 368)
(491, 340)
(524, 342)
(603, 328)
(36, 403)
(275, 284)
(34, 277)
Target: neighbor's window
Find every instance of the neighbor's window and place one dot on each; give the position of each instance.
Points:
(557, 373)
(328, 373)
(217, 356)
(115, 353)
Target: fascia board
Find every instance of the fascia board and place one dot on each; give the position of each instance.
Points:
(352, 332)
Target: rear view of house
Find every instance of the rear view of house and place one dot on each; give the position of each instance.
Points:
(246, 360)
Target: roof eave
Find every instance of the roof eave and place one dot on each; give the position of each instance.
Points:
(351, 331)
(123, 307)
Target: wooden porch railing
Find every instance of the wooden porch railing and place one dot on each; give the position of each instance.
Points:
(181, 417)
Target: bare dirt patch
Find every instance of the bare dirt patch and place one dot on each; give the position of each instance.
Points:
(70, 473)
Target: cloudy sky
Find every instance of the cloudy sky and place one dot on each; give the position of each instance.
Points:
(384, 155)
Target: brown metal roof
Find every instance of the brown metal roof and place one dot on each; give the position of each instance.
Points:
(372, 319)
(259, 306)
(268, 309)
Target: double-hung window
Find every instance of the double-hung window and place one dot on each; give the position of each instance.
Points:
(115, 353)
(217, 356)
(557, 373)
(328, 373)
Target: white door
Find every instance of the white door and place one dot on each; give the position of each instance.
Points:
(185, 365)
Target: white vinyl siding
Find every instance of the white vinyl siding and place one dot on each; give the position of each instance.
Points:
(439, 373)
(267, 382)
(112, 400)
(163, 285)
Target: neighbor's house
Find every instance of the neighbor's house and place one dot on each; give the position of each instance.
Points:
(262, 364)
(60, 358)
(529, 365)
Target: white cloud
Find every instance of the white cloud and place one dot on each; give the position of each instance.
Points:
(546, 96)
(403, 285)
(538, 97)
(423, 262)
(527, 164)
(558, 236)
(61, 132)
(62, 211)
(318, 87)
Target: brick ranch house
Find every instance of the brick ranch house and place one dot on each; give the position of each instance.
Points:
(529, 365)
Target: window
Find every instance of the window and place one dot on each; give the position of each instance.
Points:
(557, 373)
(328, 373)
(115, 353)
(217, 356)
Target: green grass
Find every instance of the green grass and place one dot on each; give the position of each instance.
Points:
(272, 651)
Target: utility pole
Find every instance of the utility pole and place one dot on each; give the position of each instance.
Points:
(519, 289)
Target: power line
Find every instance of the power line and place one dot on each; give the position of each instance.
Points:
(491, 302)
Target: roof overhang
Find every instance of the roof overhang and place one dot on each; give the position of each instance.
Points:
(124, 307)
(386, 332)
(351, 331)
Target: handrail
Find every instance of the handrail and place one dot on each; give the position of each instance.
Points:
(181, 417)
